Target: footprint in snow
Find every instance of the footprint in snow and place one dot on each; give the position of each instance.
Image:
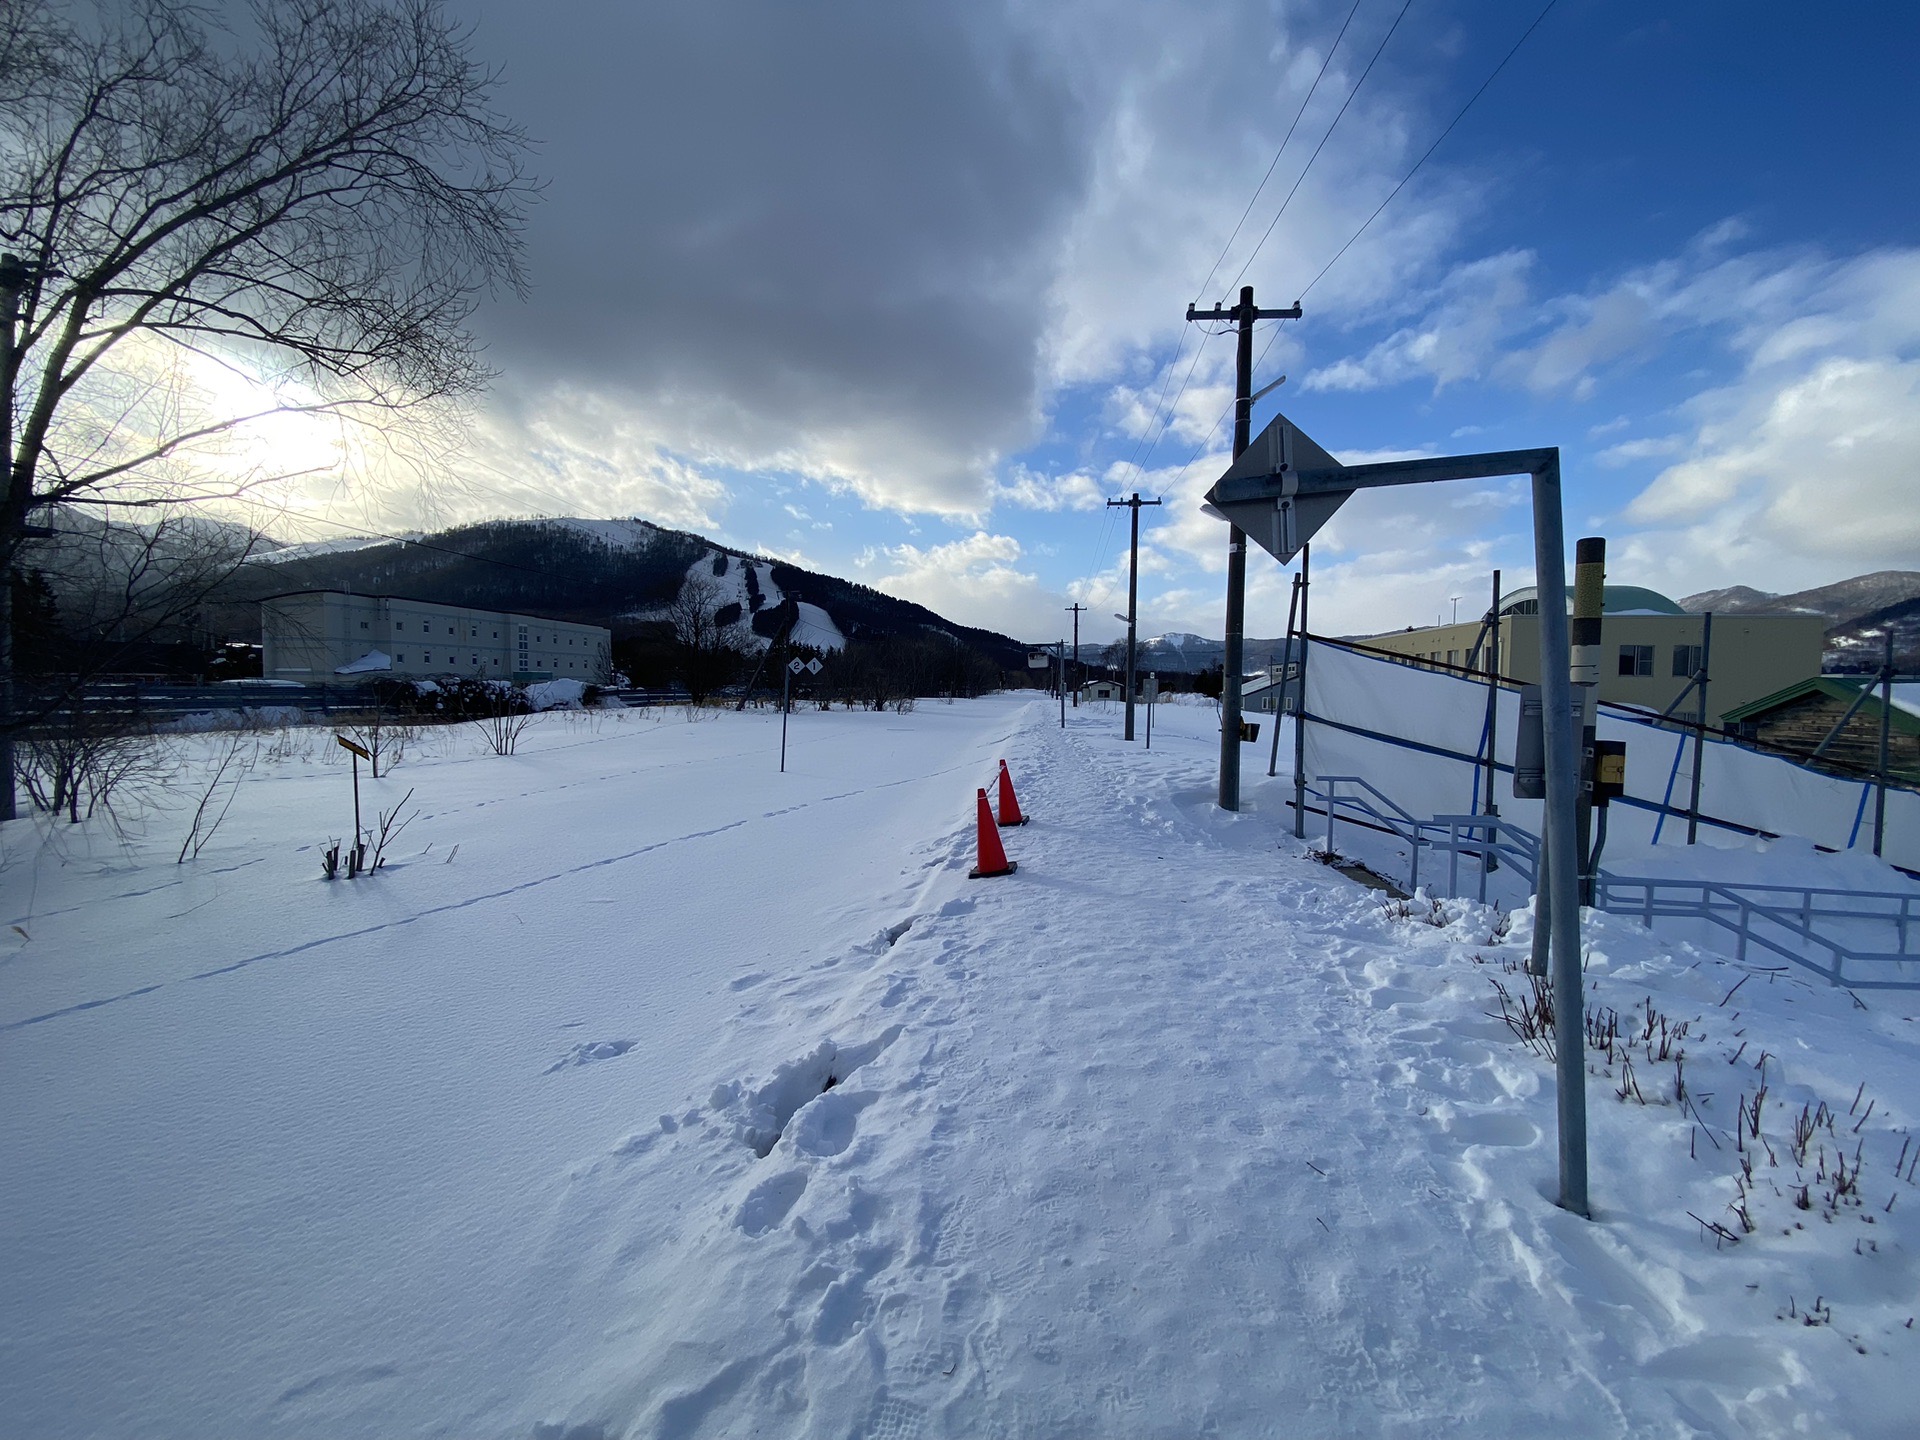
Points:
(587, 1051)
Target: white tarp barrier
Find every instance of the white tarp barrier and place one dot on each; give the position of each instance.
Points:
(1421, 724)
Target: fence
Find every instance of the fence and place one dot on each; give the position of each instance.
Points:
(1839, 934)
(1421, 736)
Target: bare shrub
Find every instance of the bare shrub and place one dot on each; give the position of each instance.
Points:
(231, 765)
(77, 758)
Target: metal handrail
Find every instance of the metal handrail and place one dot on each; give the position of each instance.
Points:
(1734, 906)
(1411, 833)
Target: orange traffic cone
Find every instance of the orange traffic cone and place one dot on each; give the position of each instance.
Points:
(993, 855)
(1009, 807)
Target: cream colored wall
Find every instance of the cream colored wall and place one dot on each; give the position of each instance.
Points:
(1753, 655)
(308, 637)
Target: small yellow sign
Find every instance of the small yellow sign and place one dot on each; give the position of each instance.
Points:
(360, 750)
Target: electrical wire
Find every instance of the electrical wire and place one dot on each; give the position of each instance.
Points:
(1251, 199)
(1142, 450)
(1431, 148)
(1300, 179)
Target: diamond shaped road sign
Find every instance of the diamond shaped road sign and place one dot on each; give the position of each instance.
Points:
(1262, 492)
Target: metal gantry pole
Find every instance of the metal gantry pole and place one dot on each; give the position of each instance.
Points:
(1560, 850)
(1286, 674)
(1285, 501)
(1490, 858)
(1300, 705)
(1700, 731)
(1886, 720)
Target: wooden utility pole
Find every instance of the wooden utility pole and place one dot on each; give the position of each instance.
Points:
(1243, 315)
(1133, 594)
(1076, 608)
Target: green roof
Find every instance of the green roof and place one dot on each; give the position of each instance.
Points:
(1843, 688)
(1615, 600)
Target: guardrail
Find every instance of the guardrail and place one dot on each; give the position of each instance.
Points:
(1824, 929)
(1392, 818)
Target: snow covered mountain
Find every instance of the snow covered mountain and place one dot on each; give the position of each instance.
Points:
(618, 573)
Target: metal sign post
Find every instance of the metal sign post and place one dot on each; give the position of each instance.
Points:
(359, 753)
(1281, 490)
(794, 667)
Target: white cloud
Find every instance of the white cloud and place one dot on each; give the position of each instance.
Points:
(1816, 468)
(1031, 490)
(1455, 340)
(976, 580)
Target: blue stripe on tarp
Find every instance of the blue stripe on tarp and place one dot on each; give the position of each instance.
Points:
(1860, 814)
(1634, 802)
(1666, 800)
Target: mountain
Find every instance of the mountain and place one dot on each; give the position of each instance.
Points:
(1180, 653)
(1734, 600)
(617, 573)
(1843, 603)
(1860, 613)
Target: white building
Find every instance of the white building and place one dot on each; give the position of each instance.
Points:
(328, 637)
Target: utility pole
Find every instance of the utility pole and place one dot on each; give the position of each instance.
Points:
(1076, 608)
(1243, 315)
(1133, 594)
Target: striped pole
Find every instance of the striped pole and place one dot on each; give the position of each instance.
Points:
(1583, 665)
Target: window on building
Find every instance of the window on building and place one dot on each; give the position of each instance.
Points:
(1453, 657)
(1686, 661)
(450, 629)
(1636, 660)
(426, 659)
(399, 625)
(400, 659)
(363, 624)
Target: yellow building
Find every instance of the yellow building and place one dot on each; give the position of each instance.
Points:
(1650, 649)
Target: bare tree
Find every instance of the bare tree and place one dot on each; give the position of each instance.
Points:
(708, 648)
(207, 227)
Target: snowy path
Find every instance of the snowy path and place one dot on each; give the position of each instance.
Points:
(685, 1102)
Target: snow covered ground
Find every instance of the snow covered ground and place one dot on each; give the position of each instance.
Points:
(650, 1092)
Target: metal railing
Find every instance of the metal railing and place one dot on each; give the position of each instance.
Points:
(1824, 929)
(1367, 808)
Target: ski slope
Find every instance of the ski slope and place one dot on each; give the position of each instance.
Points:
(650, 1092)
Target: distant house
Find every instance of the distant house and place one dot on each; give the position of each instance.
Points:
(1802, 716)
(328, 637)
(1265, 694)
(1103, 690)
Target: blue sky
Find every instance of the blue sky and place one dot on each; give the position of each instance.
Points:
(894, 291)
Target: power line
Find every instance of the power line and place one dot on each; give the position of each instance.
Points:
(1251, 199)
(1525, 35)
(1138, 457)
(1433, 147)
(1301, 178)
